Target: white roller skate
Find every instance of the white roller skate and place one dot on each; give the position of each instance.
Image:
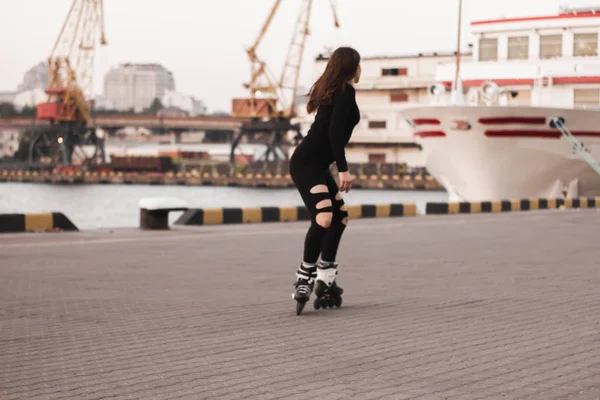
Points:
(328, 293)
(305, 280)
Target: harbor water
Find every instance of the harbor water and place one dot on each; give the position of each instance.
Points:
(113, 206)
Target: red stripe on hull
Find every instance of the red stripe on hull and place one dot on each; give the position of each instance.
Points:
(513, 120)
(425, 134)
(426, 121)
(576, 79)
(587, 134)
(547, 134)
(524, 133)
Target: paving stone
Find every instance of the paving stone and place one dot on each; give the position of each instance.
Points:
(447, 307)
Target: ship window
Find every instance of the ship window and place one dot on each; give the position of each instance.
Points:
(398, 97)
(518, 48)
(488, 49)
(394, 71)
(586, 97)
(585, 44)
(550, 46)
(377, 124)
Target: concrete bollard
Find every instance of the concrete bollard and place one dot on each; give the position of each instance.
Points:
(154, 211)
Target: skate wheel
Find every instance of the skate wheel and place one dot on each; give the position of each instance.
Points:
(330, 302)
(338, 302)
(299, 307)
(317, 303)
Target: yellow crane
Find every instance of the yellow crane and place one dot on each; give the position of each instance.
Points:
(71, 64)
(69, 89)
(267, 94)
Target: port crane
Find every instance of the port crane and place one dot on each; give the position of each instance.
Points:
(69, 90)
(271, 105)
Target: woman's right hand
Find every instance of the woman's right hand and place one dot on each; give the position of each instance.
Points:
(345, 181)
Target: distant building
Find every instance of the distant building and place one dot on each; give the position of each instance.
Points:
(30, 98)
(185, 102)
(35, 78)
(102, 103)
(137, 85)
(31, 91)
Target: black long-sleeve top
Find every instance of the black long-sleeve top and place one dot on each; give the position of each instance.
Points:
(331, 130)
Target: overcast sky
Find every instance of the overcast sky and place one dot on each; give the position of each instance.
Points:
(202, 41)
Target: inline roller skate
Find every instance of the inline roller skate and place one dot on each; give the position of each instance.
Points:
(305, 279)
(328, 293)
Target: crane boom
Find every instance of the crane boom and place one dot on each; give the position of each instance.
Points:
(71, 63)
(278, 96)
(266, 25)
(291, 69)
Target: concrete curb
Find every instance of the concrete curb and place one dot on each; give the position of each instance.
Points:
(510, 205)
(35, 222)
(217, 216)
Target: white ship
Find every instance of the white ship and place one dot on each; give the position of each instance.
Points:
(490, 134)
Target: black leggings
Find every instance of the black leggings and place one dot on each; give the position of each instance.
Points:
(329, 216)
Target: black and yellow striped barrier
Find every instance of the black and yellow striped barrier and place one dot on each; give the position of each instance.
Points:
(35, 222)
(217, 216)
(510, 205)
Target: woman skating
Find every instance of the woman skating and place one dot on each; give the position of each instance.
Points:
(333, 98)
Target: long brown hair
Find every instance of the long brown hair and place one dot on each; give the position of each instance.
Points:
(341, 68)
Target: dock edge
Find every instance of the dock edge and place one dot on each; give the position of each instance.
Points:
(35, 222)
(217, 216)
(510, 205)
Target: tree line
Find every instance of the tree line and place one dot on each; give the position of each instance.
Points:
(8, 110)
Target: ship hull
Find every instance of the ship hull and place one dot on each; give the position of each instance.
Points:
(486, 153)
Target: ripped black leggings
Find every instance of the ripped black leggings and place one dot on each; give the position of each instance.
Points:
(322, 198)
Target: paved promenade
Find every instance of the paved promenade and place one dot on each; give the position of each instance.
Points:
(503, 306)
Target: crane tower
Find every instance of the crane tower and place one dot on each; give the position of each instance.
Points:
(69, 89)
(271, 104)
